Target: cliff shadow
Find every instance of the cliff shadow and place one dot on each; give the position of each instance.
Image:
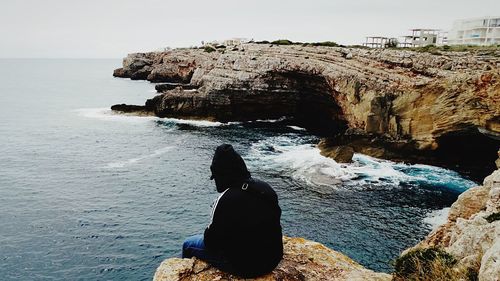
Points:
(469, 152)
(313, 104)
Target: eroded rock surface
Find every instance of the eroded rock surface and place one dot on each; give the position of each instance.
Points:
(431, 102)
(472, 234)
(394, 92)
(303, 260)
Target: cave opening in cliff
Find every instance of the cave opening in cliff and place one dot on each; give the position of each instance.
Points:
(469, 152)
(315, 108)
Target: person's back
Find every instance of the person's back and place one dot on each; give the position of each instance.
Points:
(246, 229)
(244, 236)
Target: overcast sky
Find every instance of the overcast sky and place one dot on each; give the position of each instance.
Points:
(113, 28)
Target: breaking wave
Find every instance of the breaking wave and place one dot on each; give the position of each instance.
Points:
(302, 161)
(297, 156)
(107, 114)
(437, 218)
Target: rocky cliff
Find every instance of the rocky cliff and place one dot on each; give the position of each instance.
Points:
(404, 105)
(303, 260)
(472, 231)
(393, 102)
(471, 235)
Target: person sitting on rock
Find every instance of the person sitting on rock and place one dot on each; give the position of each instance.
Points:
(244, 237)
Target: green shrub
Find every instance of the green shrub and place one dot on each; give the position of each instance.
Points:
(471, 274)
(392, 44)
(493, 217)
(358, 47)
(282, 42)
(324, 44)
(209, 49)
(456, 48)
(424, 263)
(427, 48)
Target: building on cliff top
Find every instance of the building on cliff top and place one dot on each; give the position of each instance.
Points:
(379, 42)
(227, 42)
(421, 37)
(475, 31)
(482, 31)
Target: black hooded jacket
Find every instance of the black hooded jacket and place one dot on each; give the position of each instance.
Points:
(245, 227)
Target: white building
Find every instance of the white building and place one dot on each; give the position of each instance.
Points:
(421, 37)
(235, 41)
(379, 42)
(476, 31)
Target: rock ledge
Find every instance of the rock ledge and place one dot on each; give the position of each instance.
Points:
(303, 260)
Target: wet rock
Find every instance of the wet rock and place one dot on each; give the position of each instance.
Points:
(341, 154)
(120, 72)
(303, 260)
(135, 109)
(141, 74)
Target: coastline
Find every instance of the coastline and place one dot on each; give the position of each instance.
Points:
(392, 104)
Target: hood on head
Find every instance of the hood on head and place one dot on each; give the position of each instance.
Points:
(228, 168)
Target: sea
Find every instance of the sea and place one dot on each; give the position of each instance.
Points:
(88, 194)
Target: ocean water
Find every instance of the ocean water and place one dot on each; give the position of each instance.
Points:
(86, 194)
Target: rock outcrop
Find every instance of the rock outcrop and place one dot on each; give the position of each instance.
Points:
(428, 102)
(471, 235)
(472, 231)
(303, 260)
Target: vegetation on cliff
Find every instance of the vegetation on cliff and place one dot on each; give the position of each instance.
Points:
(430, 264)
(469, 241)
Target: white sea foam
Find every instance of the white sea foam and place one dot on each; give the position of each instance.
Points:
(198, 123)
(270, 120)
(375, 171)
(296, 128)
(156, 153)
(304, 162)
(437, 218)
(301, 161)
(107, 114)
(309, 165)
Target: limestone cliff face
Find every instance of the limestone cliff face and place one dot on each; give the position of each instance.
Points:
(399, 93)
(472, 232)
(303, 260)
(428, 101)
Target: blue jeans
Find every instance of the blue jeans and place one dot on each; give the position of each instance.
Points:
(194, 246)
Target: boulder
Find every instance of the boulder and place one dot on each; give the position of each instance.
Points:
(341, 154)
